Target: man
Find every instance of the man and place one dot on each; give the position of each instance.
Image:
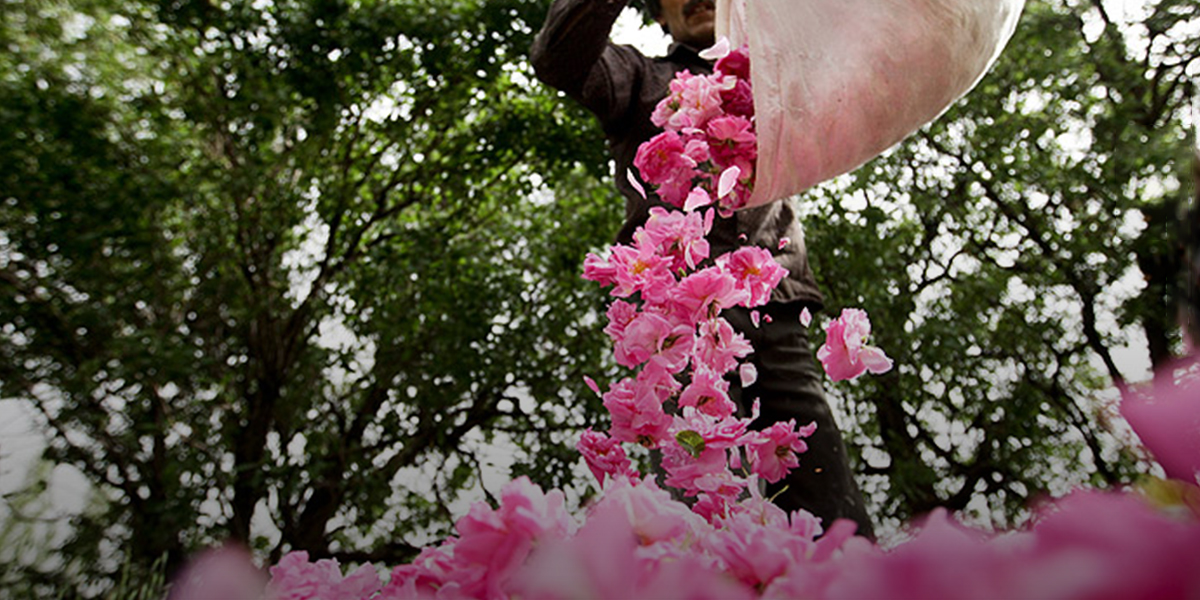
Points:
(621, 87)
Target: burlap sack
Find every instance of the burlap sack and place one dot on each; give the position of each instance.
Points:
(838, 82)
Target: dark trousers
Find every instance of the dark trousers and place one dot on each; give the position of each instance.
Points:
(789, 387)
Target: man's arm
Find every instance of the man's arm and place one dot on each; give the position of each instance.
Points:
(572, 53)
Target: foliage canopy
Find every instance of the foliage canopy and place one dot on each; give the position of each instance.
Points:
(278, 271)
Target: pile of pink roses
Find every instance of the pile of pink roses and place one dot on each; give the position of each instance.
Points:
(635, 541)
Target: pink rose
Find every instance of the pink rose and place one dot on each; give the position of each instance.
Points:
(294, 578)
(756, 272)
(845, 354)
(718, 346)
(736, 63)
(604, 456)
(731, 141)
(708, 393)
(773, 450)
(661, 159)
(637, 413)
(703, 294)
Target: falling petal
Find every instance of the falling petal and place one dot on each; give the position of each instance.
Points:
(767, 318)
(749, 374)
(875, 360)
(742, 237)
(805, 317)
(783, 242)
(728, 179)
(591, 383)
(719, 50)
(696, 199)
(637, 185)
(754, 317)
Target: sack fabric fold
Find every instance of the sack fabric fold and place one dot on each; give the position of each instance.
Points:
(838, 82)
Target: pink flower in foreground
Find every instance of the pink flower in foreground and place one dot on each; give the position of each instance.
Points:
(754, 553)
(761, 510)
(432, 570)
(845, 354)
(627, 549)
(294, 578)
(493, 544)
(1093, 544)
(604, 456)
(1168, 423)
(654, 515)
(943, 560)
(227, 572)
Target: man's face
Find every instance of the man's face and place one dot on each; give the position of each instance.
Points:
(690, 22)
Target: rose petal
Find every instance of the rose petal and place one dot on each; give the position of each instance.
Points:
(749, 374)
(875, 360)
(637, 185)
(591, 383)
(805, 317)
(728, 180)
(717, 51)
(697, 198)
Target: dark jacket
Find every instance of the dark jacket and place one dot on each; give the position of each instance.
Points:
(622, 86)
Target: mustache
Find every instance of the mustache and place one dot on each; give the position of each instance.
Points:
(694, 5)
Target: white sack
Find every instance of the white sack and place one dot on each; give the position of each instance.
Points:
(837, 82)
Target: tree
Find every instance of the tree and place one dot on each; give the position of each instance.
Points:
(290, 260)
(1007, 252)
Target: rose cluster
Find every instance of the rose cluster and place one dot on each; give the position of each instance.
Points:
(667, 324)
(708, 148)
(666, 321)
